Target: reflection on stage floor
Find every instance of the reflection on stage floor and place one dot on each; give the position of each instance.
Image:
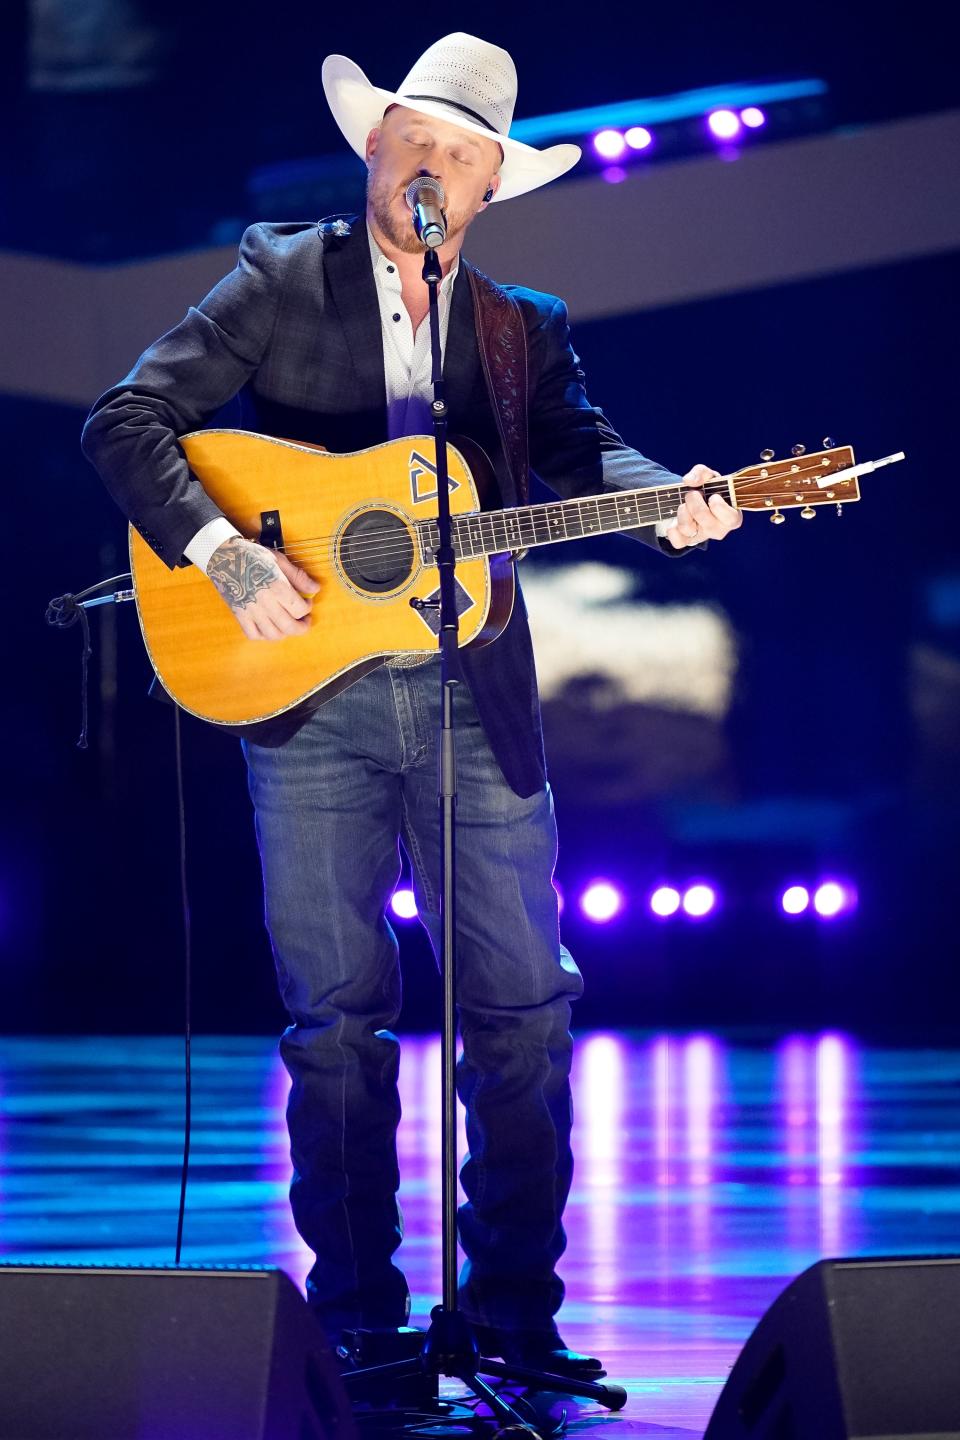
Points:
(709, 1172)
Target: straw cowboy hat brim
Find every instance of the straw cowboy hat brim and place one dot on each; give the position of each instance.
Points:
(358, 107)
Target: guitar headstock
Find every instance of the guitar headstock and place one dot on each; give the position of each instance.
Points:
(792, 483)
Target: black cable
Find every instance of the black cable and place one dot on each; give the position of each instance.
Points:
(61, 613)
(64, 601)
(187, 957)
(451, 1417)
(64, 611)
(84, 680)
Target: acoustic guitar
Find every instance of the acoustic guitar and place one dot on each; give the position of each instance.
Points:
(363, 525)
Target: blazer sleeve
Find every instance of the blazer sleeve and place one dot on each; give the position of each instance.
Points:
(131, 434)
(573, 446)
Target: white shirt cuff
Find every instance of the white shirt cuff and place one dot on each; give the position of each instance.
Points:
(208, 539)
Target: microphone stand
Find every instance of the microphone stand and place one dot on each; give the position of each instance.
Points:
(449, 1346)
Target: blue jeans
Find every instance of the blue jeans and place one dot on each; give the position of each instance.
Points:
(331, 805)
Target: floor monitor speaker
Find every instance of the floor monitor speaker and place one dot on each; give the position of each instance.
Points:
(852, 1349)
(131, 1353)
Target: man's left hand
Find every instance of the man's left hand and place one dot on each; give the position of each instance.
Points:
(699, 519)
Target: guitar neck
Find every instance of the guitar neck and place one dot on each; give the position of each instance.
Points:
(491, 532)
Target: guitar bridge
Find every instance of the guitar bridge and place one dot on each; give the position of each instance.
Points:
(271, 531)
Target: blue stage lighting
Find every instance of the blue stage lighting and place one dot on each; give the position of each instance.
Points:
(609, 144)
(665, 901)
(699, 900)
(795, 899)
(834, 898)
(403, 905)
(601, 901)
(723, 124)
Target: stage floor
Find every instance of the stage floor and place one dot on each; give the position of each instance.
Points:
(709, 1173)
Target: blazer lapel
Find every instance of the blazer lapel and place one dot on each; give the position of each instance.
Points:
(353, 291)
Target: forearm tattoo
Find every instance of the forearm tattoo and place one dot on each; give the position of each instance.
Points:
(240, 571)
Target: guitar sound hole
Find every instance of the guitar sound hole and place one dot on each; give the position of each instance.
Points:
(376, 551)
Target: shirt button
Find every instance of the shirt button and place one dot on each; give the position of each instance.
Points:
(396, 317)
(390, 269)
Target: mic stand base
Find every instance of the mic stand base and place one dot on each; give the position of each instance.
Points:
(449, 1348)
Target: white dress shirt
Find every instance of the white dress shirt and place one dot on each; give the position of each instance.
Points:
(406, 357)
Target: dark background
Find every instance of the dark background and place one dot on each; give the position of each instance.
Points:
(841, 751)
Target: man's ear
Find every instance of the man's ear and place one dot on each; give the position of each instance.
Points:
(492, 189)
(371, 144)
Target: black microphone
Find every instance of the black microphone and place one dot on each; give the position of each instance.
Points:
(425, 197)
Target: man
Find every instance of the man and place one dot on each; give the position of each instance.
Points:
(322, 332)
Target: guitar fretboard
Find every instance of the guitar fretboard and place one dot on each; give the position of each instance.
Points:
(491, 532)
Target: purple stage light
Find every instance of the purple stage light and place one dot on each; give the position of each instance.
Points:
(638, 137)
(601, 901)
(699, 900)
(795, 899)
(403, 905)
(723, 124)
(609, 144)
(752, 117)
(831, 899)
(614, 174)
(665, 901)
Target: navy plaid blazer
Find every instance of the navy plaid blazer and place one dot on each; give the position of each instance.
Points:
(291, 341)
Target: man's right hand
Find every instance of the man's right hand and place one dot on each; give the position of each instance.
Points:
(265, 590)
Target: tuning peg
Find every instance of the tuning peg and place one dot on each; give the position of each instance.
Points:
(776, 518)
(828, 442)
(808, 512)
(766, 454)
(798, 450)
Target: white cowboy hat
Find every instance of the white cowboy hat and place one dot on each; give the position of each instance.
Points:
(459, 79)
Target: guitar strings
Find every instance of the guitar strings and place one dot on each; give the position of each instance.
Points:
(372, 540)
(385, 543)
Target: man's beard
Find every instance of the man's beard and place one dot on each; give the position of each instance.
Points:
(402, 236)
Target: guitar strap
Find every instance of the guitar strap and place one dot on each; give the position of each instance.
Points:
(502, 338)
